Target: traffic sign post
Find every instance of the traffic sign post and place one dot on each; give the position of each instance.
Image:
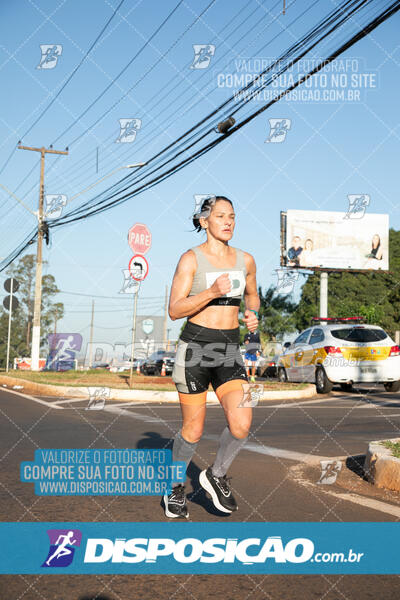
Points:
(10, 302)
(139, 240)
(138, 270)
(133, 333)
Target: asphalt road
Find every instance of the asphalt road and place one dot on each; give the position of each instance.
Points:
(273, 480)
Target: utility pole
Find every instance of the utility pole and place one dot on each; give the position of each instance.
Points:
(323, 295)
(9, 323)
(55, 331)
(91, 337)
(165, 318)
(168, 330)
(135, 301)
(38, 281)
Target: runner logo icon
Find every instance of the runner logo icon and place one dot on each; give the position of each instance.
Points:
(62, 547)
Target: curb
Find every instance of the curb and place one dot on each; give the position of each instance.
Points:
(42, 389)
(381, 467)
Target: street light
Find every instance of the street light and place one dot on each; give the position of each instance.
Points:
(140, 164)
(40, 218)
(35, 213)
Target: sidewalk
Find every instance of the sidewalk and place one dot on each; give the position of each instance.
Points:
(41, 389)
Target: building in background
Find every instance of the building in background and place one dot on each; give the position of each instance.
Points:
(149, 337)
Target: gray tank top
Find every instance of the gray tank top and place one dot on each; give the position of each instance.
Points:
(206, 274)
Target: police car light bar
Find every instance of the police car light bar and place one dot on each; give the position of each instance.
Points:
(339, 319)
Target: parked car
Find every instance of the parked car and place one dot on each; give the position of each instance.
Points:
(269, 366)
(153, 364)
(343, 351)
(119, 366)
(101, 366)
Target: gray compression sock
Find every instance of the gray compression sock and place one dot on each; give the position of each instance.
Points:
(182, 450)
(229, 447)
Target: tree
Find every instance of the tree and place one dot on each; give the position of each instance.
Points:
(22, 318)
(275, 316)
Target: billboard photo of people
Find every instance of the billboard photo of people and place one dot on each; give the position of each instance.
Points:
(330, 240)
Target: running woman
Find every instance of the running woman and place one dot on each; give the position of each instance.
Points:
(209, 283)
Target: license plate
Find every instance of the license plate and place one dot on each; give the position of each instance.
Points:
(368, 370)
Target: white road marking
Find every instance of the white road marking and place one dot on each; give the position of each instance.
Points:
(381, 416)
(70, 400)
(297, 404)
(379, 405)
(289, 454)
(138, 405)
(133, 415)
(49, 404)
(309, 459)
(260, 449)
(378, 505)
(133, 403)
(384, 507)
(268, 450)
(354, 406)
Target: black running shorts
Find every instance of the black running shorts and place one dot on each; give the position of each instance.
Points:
(207, 356)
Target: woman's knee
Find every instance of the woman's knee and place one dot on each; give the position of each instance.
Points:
(192, 432)
(240, 428)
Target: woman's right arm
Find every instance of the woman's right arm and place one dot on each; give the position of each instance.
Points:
(180, 305)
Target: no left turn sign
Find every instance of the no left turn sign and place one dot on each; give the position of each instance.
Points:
(138, 267)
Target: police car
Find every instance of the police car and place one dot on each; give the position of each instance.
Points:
(341, 351)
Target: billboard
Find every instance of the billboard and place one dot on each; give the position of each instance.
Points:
(24, 364)
(62, 351)
(149, 337)
(332, 240)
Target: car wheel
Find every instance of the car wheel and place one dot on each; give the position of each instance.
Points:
(392, 386)
(322, 383)
(347, 387)
(282, 375)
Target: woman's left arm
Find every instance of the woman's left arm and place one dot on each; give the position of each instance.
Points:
(251, 298)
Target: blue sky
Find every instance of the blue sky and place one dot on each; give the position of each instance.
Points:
(332, 149)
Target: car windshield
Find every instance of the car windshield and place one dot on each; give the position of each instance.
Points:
(359, 334)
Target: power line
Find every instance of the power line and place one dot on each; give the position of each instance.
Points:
(115, 310)
(164, 96)
(120, 73)
(324, 29)
(8, 159)
(143, 76)
(64, 85)
(90, 208)
(122, 296)
(115, 79)
(174, 88)
(75, 70)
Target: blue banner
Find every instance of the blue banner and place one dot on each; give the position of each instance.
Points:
(102, 472)
(199, 548)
